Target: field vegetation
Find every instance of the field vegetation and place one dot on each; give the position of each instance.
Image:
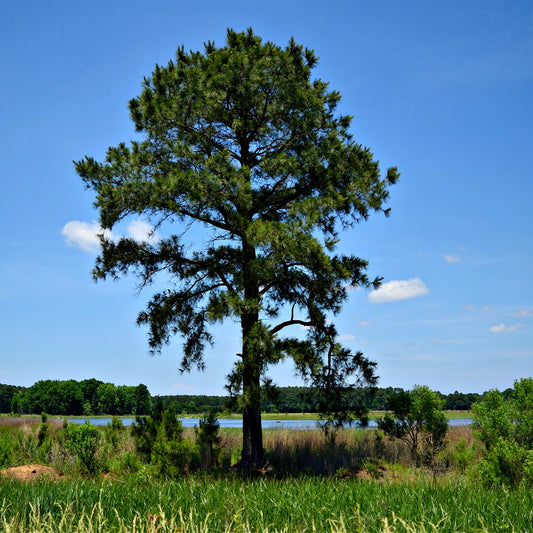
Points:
(156, 476)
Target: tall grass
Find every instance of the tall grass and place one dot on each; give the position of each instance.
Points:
(201, 504)
(288, 452)
(291, 497)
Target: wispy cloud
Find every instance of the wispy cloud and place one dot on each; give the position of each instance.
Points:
(470, 307)
(452, 258)
(397, 290)
(504, 328)
(86, 235)
(439, 341)
(523, 313)
(345, 337)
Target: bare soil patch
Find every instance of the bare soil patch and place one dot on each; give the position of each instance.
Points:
(31, 472)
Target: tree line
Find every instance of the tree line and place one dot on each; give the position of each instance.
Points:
(74, 398)
(306, 400)
(94, 397)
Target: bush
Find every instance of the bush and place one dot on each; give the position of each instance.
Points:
(82, 441)
(505, 426)
(419, 421)
(158, 440)
(208, 440)
(9, 447)
(462, 457)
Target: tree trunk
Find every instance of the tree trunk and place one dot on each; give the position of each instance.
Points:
(252, 443)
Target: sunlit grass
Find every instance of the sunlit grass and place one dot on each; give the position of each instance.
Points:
(231, 504)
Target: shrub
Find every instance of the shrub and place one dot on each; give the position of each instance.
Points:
(82, 441)
(208, 440)
(419, 421)
(158, 440)
(505, 426)
(461, 456)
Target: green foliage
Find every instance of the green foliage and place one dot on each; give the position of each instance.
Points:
(507, 463)
(7, 394)
(82, 440)
(88, 397)
(463, 457)
(208, 440)
(241, 141)
(418, 420)
(505, 426)
(114, 434)
(9, 448)
(158, 440)
(306, 399)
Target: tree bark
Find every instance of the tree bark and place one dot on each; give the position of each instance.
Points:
(252, 448)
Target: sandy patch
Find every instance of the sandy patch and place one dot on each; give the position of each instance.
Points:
(30, 472)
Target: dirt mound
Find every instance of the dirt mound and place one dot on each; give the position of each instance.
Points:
(30, 472)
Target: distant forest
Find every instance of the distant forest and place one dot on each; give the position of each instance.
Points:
(93, 397)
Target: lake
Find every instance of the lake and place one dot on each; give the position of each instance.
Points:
(237, 422)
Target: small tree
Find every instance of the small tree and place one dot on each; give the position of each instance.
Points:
(82, 440)
(209, 440)
(159, 441)
(240, 141)
(419, 421)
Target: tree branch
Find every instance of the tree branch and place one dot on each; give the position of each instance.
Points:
(291, 322)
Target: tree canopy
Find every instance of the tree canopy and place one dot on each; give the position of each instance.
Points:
(240, 141)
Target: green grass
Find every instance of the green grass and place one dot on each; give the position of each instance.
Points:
(231, 504)
(124, 496)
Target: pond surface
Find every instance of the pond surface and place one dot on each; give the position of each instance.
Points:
(237, 422)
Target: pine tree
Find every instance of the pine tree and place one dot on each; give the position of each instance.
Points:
(240, 140)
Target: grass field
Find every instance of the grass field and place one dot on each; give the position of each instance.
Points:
(230, 504)
(360, 482)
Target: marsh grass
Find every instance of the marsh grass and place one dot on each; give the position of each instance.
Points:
(288, 452)
(293, 496)
(311, 453)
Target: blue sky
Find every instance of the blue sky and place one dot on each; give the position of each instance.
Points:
(443, 90)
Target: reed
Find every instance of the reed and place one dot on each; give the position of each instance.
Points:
(289, 452)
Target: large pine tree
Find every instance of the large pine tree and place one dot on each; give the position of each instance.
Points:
(242, 142)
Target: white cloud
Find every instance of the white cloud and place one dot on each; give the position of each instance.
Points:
(345, 337)
(365, 323)
(501, 328)
(523, 313)
(514, 327)
(394, 291)
(470, 307)
(142, 231)
(451, 258)
(84, 235)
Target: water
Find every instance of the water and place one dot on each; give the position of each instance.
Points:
(237, 422)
